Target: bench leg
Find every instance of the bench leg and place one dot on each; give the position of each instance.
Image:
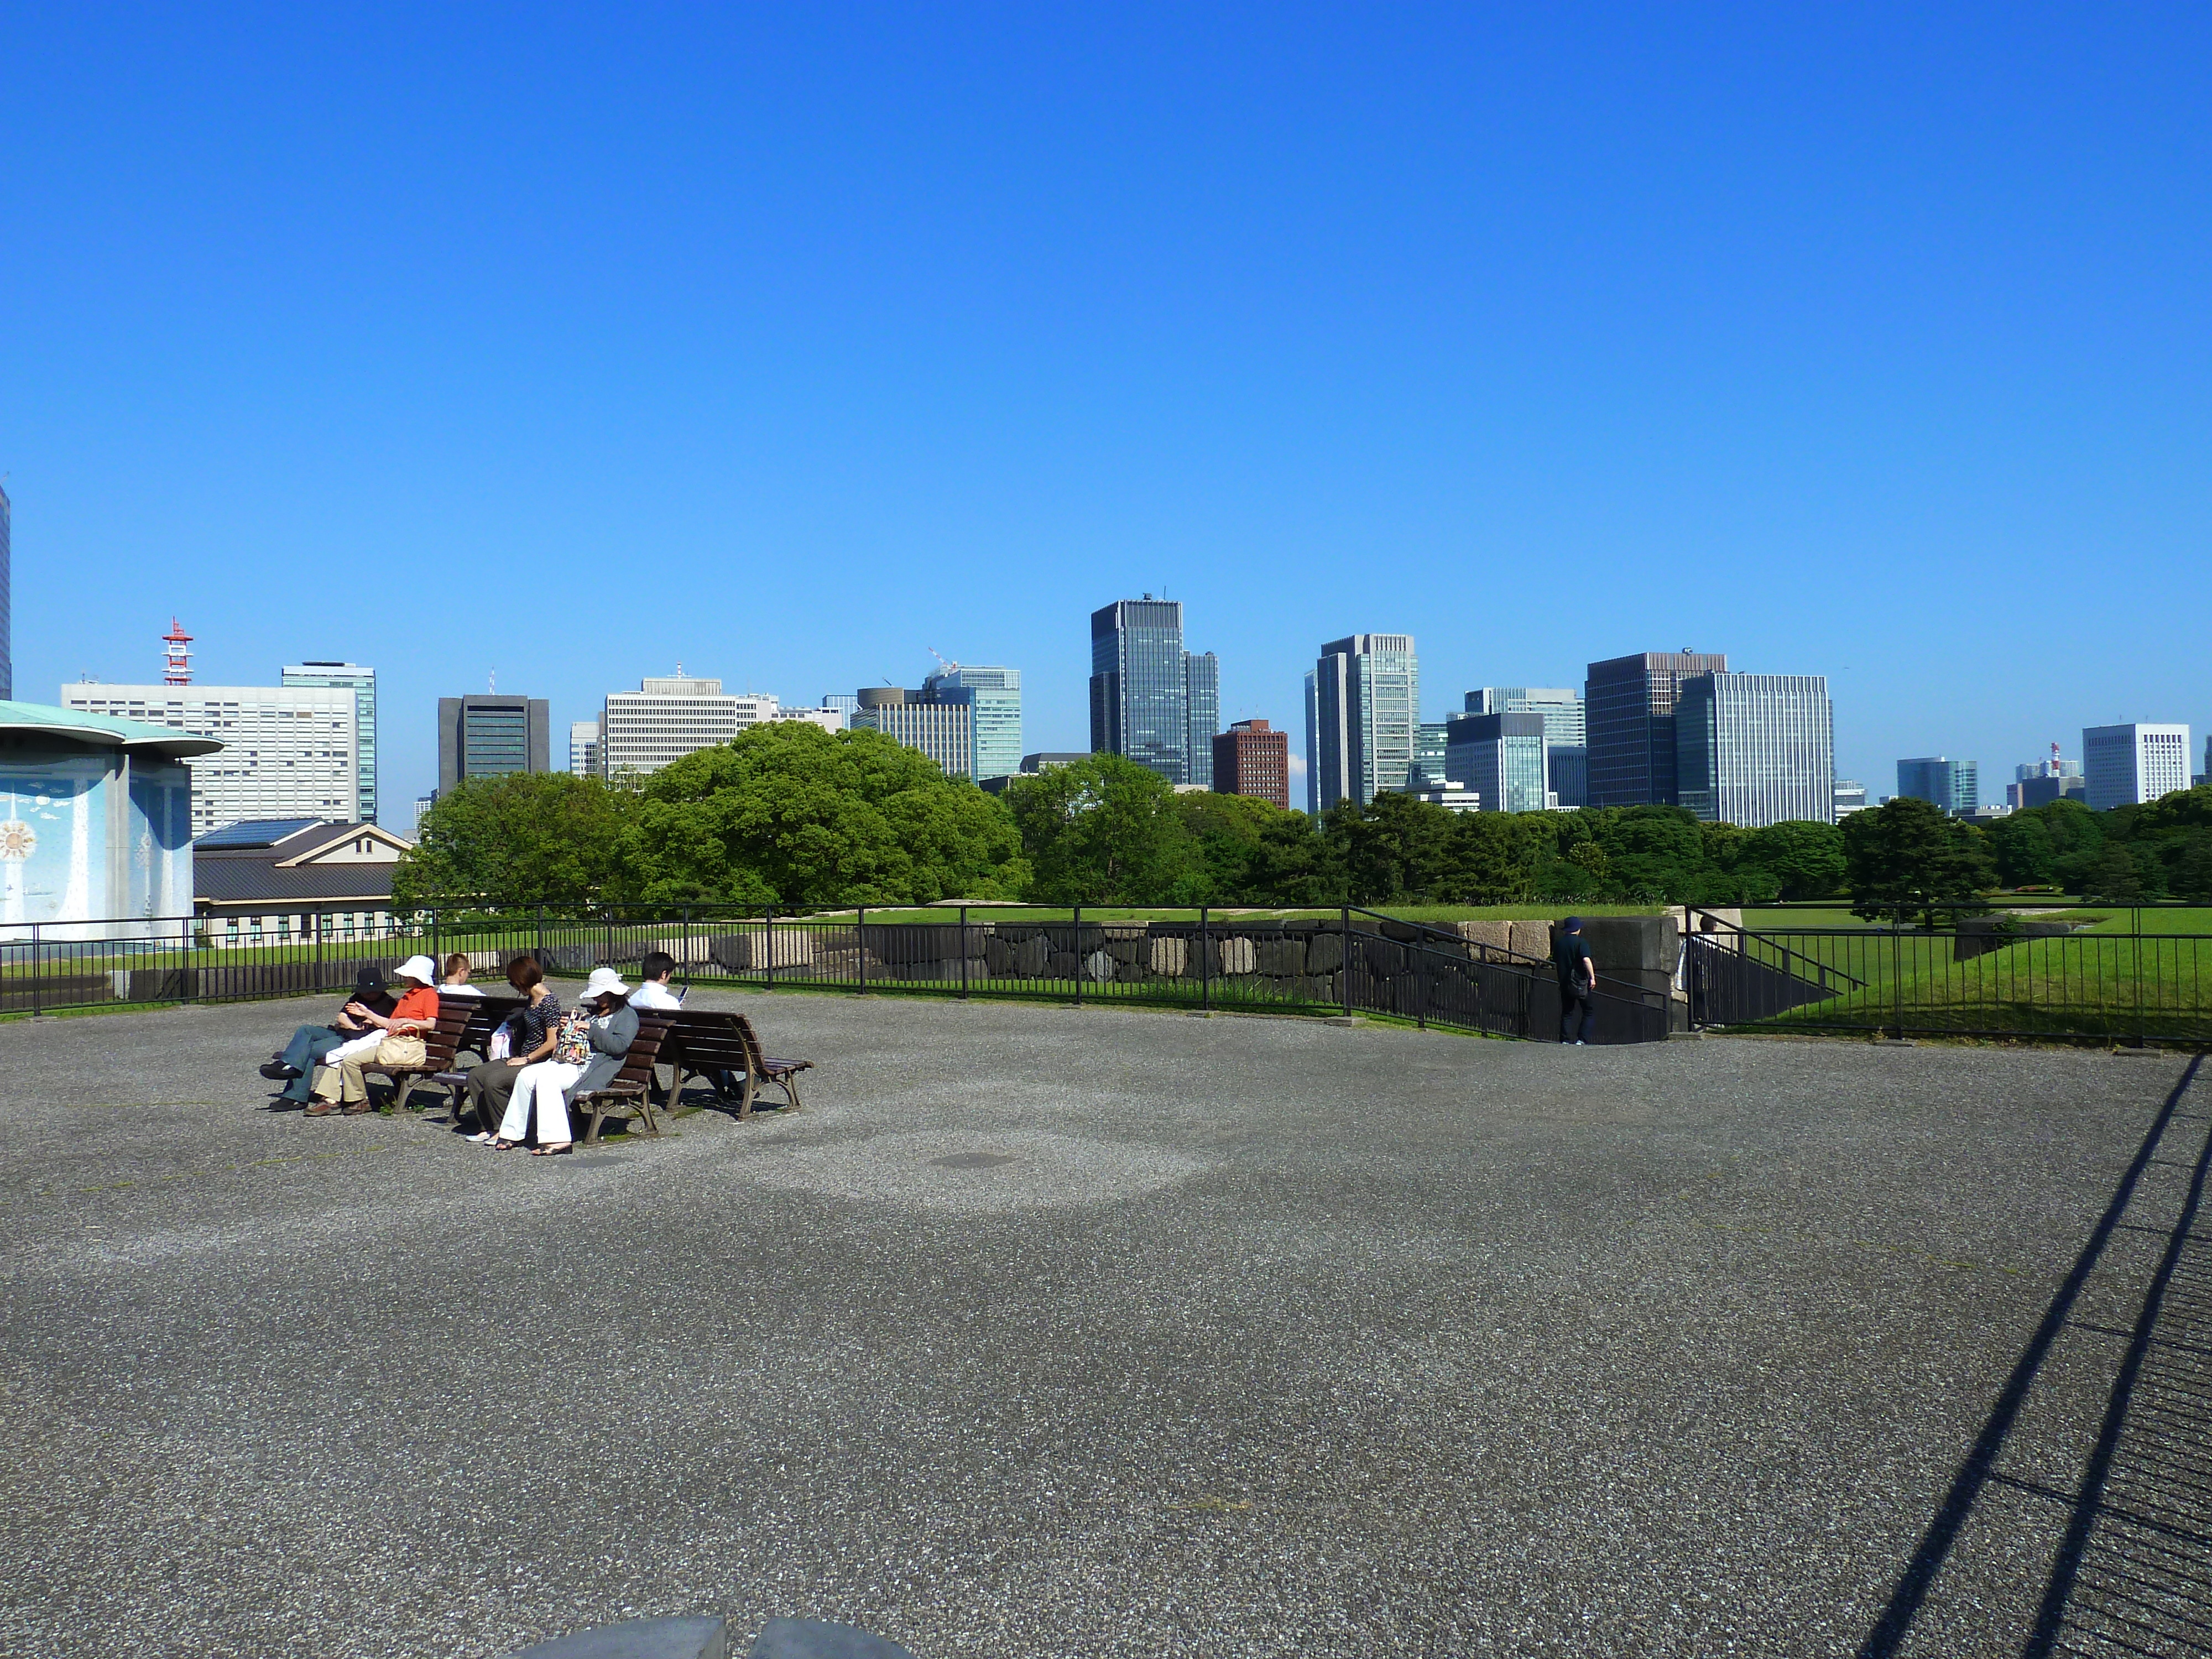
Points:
(644, 1115)
(599, 1116)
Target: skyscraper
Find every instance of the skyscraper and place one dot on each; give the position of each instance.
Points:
(997, 705)
(939, 720)
(1151, 700)
(489, 734)
(1566, 732)
(1753, 750)
(1362, 719)
(1955, 787)
(1253, 758)
(1629, 703)
(583, 748)
(6, 602)
(361, 682)
(669, 717)
(1501, 757)
(2128, 765)
(287, 750)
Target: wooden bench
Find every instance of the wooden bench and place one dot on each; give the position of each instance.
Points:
(706, 1041)
(464, 1022)
(630, 1093)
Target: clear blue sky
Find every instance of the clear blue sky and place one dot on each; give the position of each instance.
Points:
(1870, 341)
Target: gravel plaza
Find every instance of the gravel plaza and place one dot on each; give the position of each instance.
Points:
(1045, 1331)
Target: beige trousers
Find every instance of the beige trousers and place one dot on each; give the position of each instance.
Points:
(344, 1082)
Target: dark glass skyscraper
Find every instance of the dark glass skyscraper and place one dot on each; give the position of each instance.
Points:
(1629, 705)
(1151, 700)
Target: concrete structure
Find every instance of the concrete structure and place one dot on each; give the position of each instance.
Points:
(489, 734)
(96, 823)
(1850, 796)
(668, 718)
(1566, 731)
(1501, 757)
(939, 720)
(1629, 706)
(2126, 765)
(1151, 700)
(827, 718)
(2039, 783)
(1362, 719)
(1953, 785)
(422, 804)
(1449, 796)
(844, 702)
(7, 598)
(1252, 759)
(998, 703)
(361, 682)
(1045, 760)
(583, 748)
(1753, 750)
(290, 878)
(286, 751)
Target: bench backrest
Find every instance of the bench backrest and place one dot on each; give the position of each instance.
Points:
(709, 1040)
(653, 1030)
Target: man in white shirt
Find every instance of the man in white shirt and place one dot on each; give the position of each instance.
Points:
(653, 974)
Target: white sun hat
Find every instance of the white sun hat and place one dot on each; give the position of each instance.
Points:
(604, 980)
(421, 969)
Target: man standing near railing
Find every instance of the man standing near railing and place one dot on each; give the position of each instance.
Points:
(1577, 983)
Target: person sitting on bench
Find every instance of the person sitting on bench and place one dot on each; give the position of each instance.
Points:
(588, 1055)
(456, 982)
(294, 1067)
(400, 1042)
(529, 1030)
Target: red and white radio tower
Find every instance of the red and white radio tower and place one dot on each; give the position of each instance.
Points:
(178, 671)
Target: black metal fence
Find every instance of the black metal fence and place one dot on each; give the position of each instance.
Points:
(1348, 961)
(2046, 976)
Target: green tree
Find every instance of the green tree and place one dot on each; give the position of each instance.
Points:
(1656, 852)
(1393, 848)
(526, 838)
(1105, 830)
(1906, 858)
(2021, 846)
(789, 815)
(1292, 864)
(1805, 858)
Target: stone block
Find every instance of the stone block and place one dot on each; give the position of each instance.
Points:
(1498, 935)
(1280, 958)
(1324, 953)
(1032, 957)
(1532, 938)
(758, 949)
(1167, 956)
(1063, 965)
(1100, 965)
(1236, 955)
(1124, 944)
(1380, 957)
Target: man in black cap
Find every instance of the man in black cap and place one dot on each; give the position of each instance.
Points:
(1577, 984)
(295, 1067)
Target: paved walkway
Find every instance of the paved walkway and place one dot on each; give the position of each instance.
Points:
(1050, 1332)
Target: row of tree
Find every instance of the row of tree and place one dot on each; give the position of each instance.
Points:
(792, 816)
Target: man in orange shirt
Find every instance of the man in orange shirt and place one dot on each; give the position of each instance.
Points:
(415, 1012)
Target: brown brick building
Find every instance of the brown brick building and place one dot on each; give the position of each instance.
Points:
(1250, 758)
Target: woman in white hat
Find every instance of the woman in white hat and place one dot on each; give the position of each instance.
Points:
(401, 1045)
(586, 1055)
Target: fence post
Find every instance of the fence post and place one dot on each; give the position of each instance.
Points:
(540, 951)
(1344, 985)
(964, 953)
(184, 959)
(771, 947)
(607, 911)
(1078, 913)
(37, 1005)
(2142, 1037)
(1897, 972)
(1205, 967)
(860, 942)
(1421, 986)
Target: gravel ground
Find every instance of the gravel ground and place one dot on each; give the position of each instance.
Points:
(1046, 1331)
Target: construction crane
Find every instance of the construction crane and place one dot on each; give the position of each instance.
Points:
(944, 662)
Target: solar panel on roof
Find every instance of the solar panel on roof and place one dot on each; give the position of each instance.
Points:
(258, 832)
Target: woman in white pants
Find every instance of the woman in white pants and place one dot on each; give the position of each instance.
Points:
(542, 1088)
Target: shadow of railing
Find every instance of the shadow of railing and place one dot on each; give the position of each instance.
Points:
(2132, 1573)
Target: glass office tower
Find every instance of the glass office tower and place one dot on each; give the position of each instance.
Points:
(361, 682)
(1149, 699)
(1362, 719)
(486, 735)
(1753, 750)
(1629, 703)
(1955, 787)
(998, 703)
(1501, 757)
(1566, 733)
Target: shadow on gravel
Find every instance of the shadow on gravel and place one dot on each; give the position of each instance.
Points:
(2133, 1574)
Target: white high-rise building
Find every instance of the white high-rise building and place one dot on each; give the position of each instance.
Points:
(665, 720)
(583, 748)
(1754, 749)
(998, 715)
(2127, 765)
(361, 682)
(289, 750)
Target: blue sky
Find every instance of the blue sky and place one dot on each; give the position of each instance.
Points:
(568, 343)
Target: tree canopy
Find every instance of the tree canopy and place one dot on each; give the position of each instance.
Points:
(521, 839)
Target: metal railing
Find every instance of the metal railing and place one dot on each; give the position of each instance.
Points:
(1348, 961)
(2102, 976)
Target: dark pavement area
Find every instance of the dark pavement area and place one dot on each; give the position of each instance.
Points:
(1213, 1337)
